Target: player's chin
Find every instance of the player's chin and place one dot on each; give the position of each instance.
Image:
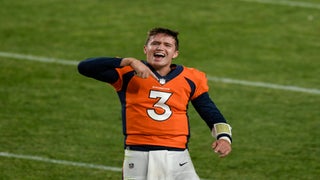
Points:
(158, 59)
(158, 63)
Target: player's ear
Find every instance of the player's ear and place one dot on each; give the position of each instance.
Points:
(145, 49)
(176, 54)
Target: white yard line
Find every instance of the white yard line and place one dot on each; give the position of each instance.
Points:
(62, 162)
(210, 78)
(265, 85)
(37, 58)
(288, 3)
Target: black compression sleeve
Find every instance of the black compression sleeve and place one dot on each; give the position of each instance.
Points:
(101, 68)
(208, 110)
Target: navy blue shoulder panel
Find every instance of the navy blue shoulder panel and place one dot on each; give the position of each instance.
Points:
(192, 87)
(122, 96)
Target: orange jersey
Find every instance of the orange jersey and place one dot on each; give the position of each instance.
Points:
(155, 112)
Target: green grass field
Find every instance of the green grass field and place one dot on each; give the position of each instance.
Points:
(57, 124)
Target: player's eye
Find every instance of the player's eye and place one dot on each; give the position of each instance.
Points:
(155, 43)
(168, 45)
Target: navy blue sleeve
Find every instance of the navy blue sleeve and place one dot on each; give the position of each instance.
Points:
(100, 68)
(207, 110)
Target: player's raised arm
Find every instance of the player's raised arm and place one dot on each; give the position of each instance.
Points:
(139, 67)
(100, 68)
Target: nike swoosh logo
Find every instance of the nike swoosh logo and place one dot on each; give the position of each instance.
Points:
(181, 164)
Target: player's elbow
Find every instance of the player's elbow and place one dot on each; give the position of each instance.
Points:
(83, 69)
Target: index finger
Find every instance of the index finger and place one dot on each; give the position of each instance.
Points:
(154, 76)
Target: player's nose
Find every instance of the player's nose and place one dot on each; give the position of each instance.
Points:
(159, 47)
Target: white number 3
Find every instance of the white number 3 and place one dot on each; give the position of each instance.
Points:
(161, 103)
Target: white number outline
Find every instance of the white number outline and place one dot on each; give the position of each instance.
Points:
(161, 103)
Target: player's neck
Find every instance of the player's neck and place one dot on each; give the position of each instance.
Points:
(165, 70)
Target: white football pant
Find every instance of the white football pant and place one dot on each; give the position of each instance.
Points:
(158, 165)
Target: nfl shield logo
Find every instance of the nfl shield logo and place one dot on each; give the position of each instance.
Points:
(131, 165)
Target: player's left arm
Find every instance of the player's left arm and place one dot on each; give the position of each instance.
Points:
(221, 130)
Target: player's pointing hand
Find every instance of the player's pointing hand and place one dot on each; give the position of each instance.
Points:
(142, 70)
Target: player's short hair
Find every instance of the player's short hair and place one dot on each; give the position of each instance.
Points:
(160, 30)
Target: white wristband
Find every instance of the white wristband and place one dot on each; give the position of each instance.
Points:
(226, 138)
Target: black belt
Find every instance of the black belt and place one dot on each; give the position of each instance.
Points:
(152, 148)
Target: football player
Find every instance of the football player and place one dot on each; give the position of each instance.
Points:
(154, 95)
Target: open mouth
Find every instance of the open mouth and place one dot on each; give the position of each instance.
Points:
(159, 55)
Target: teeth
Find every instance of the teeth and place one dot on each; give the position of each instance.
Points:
(159, 54)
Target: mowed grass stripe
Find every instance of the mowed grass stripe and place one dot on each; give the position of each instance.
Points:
(210, 78)
(287, 3)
